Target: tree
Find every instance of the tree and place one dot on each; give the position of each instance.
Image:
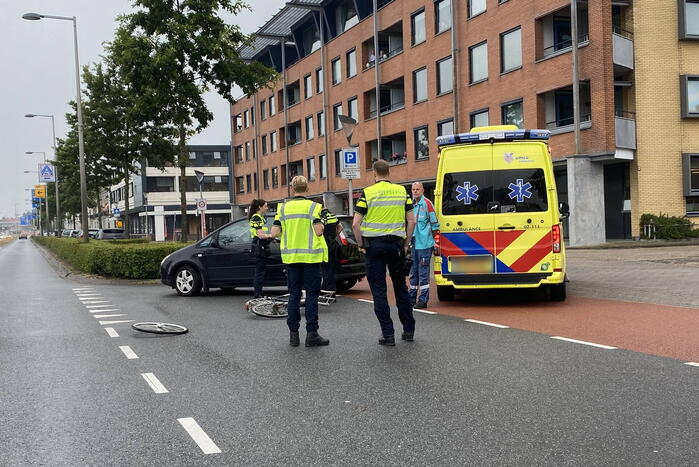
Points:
(171, 52)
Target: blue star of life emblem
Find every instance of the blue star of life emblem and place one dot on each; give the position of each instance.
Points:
(467, 193)
(520, 190)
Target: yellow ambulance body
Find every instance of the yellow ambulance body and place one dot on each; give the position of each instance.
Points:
(498, 212)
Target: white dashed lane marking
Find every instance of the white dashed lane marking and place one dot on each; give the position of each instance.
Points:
(104, 310)
(485, 323)
(115, 322)
(98, 306)
(111, 316)
(199, 436)
(111, 332)
(427, 312)
(365, 301)
(88, 299)
(601, 346)
(692, 363)
(130, 354)
(154, 383)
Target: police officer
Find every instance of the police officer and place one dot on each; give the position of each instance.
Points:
(260, 241)
(303, 251)
(332, 227)
(383, 220)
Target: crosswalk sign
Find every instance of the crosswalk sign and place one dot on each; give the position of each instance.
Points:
(47, 173)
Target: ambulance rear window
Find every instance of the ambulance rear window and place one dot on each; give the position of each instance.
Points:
(494, 192)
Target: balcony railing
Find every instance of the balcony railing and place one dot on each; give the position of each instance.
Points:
(625, 129)
(565, 45)
(568, 121)
(622, 45)
(396, 158)
(389, 108)
(391, 53)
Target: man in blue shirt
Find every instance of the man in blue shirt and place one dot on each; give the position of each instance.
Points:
(422, 245)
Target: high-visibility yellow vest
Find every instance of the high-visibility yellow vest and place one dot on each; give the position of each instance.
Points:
(385, 210)
(257, 222)
(300, 244)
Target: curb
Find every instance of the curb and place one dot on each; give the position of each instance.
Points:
(636, 244)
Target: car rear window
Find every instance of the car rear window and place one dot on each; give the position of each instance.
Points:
(494, 191)
(113, 231)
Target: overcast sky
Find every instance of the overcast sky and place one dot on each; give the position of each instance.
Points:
(38, 77)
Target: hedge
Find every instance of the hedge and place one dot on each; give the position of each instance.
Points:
(669, 227)
(112, 259)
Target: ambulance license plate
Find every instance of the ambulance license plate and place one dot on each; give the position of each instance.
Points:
(477, 264)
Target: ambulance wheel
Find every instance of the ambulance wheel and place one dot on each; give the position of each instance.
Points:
(445, 293)
(558, 292)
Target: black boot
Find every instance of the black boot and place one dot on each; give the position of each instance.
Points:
(294, 338)
(408, 336)
(314, 339)
(389, 341)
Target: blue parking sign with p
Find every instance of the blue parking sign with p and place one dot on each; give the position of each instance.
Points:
(350, 158)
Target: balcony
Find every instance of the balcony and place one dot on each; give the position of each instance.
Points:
(558, 108)
(293, 93)
(390, 44)
(393, 150)
(622, 43)
(625, 129)
(391, 95)
(293, 133)
(554, 34)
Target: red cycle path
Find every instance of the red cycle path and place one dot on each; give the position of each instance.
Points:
(662, 330)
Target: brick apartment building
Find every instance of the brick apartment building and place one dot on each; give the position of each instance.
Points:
(434, 67)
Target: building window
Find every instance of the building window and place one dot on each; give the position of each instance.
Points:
(252, 115)
(248, 182)
(273, 140)
(690, 171)
(321, 123)
(479, 118)
(238, 154)
(307, 86)
(239, 188)
(311, 168)
(513, 113)
(272, 106)
(445, 127)
(264, 144)
(420, 85)
(442, 15)
(265, 179)
(237, 123)
(160, 184)
(337, 162)
(475, 7)
(689, 96)
(351, 59)
(275, 177)
(353, 108)
(248, 151)
(337, 111)
(309, 127)
(336, 71)
(311, 40)
(263, 110)
(422, 143)
(346, 16)
(445, 76)
(246, 119)
(319, 80)
(417, 21)
(511, 50)
(323, 165)
(689, 19)
(478, 58)
(193, 155)
(254, 181)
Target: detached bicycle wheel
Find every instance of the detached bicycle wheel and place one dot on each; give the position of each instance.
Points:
(270, 309)
(160, 328)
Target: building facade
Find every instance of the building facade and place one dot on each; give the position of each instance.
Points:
(418, 69)
(154, 196)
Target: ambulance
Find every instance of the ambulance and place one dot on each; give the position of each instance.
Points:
(498, 211)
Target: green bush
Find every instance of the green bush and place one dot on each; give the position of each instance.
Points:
(129, 260)
(668, 227)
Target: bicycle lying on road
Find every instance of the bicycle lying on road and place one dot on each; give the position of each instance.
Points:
(276, 307)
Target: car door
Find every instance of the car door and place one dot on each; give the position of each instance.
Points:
(275, 269)
(229, 261)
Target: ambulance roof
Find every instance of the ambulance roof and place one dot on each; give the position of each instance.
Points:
(493, 134)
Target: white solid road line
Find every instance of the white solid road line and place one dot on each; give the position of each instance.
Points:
(119, 321)
(154, 383)
(501, 326)
(110, 316)
(364, 300)
(692, 363)
(130, 354)
(111, 332)
(199, 436)
(427, 312)
(608, 347)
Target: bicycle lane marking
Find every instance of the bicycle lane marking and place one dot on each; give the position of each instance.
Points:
(130, 354)
(154, 383)
(112, 332)
(199, 436)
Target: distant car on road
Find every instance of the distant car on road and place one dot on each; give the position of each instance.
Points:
(23, 236)
(110, 234)
(224, 260)
(92, 233)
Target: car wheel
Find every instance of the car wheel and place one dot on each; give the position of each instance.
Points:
(344, 286)
(557, 292)
(187, 281)
(445, 293)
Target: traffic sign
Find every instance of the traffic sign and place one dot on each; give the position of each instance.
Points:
(47, 173)
(39, 191)
(349, 163)
(116, 212)
(201, 205)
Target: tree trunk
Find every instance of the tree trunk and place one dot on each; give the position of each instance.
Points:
(182, 162)
(127, 230)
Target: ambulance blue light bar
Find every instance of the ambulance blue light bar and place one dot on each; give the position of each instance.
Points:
(487, 136)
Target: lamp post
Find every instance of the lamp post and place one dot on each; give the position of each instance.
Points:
(59, 226)
(201, 212)
(81, 142)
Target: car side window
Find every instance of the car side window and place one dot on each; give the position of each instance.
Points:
(236, 233)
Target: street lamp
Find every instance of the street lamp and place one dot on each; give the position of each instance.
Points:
(81, 142)
(59, 227)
